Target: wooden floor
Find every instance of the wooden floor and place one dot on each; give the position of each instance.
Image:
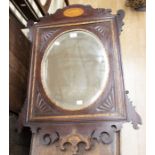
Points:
(133, 56)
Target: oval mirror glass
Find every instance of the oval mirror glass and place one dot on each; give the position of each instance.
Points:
(74, 70)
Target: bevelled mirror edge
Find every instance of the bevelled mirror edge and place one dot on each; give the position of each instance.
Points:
(86, 62)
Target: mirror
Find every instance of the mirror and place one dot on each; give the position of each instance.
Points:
(74, 69)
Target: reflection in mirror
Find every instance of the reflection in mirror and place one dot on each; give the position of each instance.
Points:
(74, 70)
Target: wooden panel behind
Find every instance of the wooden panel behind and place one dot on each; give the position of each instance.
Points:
(19, 50)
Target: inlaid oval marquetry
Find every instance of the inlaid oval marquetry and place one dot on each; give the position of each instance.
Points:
(74, 70)
(73, 12)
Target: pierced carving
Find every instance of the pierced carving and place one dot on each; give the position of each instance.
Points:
(106, 135)
(103, 133)
(120, 15)
(108, 104)
(50, 138)
(74, 139)
(132, 115)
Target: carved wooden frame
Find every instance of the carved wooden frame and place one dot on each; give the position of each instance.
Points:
(103, 118)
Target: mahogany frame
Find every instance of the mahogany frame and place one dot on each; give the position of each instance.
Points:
(112, 108)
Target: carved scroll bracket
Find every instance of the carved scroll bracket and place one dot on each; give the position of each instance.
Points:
(132, 115)
(74, 139)
(104, 133)
(50, 138)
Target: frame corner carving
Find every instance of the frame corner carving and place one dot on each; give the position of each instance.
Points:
(132, 115)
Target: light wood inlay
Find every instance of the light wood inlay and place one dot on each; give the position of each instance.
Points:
(73, 12)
